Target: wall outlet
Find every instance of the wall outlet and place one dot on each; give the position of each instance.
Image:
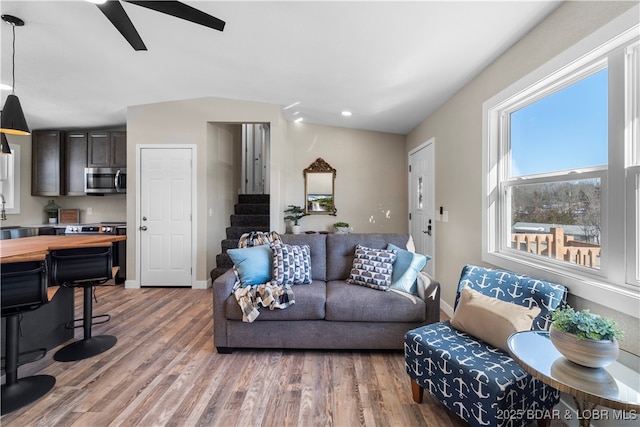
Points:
(89, 211)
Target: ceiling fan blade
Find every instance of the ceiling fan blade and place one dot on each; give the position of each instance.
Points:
(114, 11)
(182, 11)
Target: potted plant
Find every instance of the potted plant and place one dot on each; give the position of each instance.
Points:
(341, 227)
(295, 213)
(584, 338)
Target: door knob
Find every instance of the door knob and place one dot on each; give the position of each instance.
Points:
(143, 228)
(428, 229)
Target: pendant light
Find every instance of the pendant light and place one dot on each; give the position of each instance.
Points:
(12, 119)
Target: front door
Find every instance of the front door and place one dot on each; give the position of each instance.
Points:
(421, 200)
(165, 217)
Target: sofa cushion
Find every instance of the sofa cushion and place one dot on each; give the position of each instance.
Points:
(253, 264)
(404, 277)
(491, 319)
(341, 248)
(309, 305)
(318, 249)
(350, 303)
(291, 264)
(372, 268)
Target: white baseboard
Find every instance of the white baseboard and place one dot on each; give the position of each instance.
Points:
(202, 284)
(446, 308)
(131, 284)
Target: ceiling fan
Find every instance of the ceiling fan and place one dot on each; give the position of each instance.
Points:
(114, 11)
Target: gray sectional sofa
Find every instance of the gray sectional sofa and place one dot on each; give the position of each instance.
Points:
(329, 313)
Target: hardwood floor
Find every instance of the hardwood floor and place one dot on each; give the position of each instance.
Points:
(165, 371)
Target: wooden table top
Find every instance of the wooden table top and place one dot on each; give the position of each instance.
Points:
(37, 247)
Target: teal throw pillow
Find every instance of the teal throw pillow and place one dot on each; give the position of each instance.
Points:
(406, 268)
(253, 264)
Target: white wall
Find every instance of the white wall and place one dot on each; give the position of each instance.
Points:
(371, 169)
(457, 126)
(371, 177)
(223, 180)
(188, 122)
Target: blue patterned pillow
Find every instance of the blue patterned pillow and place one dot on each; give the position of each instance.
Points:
(291, 264)
(372, 268)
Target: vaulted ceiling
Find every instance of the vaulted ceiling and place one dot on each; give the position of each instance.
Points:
(390, 63)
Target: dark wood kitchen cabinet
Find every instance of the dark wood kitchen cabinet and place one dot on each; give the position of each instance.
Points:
(75, 156)
(58, 162)
(107, 150)
(59, 158)
(46, 162)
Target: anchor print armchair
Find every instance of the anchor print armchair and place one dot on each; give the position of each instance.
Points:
(474, 378)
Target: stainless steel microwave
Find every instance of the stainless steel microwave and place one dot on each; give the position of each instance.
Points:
(105, 180)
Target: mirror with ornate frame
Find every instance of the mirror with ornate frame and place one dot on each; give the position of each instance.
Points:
(319, 179)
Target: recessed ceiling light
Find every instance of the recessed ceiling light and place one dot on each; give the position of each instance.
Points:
(346, 113)
(299, 119)
(291, 105)
(97, 1)
(5, 87)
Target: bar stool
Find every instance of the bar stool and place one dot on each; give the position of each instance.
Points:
(83, 268)
(24, 288)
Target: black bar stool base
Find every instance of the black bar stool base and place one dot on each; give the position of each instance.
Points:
(25, 391)
(84, 349)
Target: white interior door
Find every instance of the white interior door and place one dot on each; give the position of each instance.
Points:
(422, 200)
(165, 217)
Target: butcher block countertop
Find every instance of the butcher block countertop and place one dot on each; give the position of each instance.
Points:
(37, 247)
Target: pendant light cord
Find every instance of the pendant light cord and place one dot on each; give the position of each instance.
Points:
(13, 62)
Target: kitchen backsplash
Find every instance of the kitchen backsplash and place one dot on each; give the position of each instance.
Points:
(92, 209)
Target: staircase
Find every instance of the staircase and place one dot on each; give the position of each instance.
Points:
(250, 214)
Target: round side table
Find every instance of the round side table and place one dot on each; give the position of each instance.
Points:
(616, 386)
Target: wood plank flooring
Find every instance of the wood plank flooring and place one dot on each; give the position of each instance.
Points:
(165, 371)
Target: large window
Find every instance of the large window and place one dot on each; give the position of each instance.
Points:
(562, 171)
(556, 151)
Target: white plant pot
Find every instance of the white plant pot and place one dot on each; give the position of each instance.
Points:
(342, 230)
(295, 229)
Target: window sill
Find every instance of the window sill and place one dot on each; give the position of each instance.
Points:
(614, 297)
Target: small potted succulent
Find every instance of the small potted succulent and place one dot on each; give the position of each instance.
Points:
(585, 338)
(341, 227)
(294, 214)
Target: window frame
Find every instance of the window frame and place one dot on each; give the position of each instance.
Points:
(10, 186)
(632, 155)
(613, 285)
